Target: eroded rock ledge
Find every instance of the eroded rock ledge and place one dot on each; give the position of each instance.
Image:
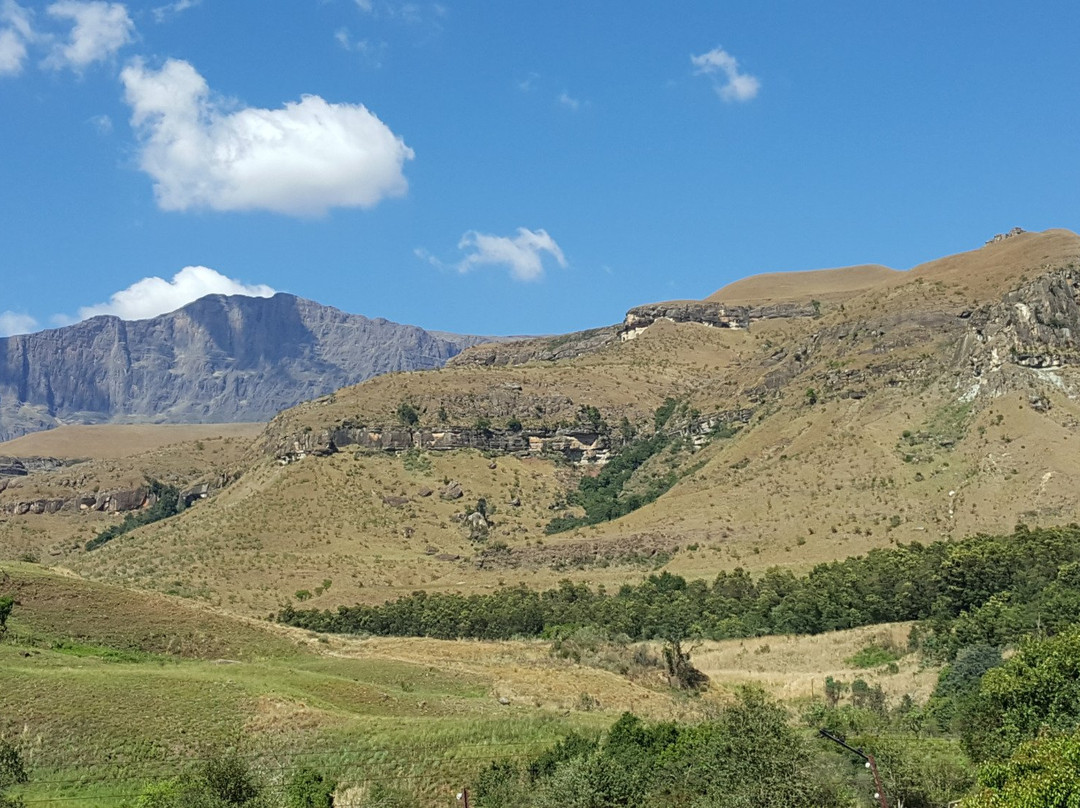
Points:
(116, 501)
(576, 445)
(717, 315)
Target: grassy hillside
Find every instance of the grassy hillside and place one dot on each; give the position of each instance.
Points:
(102, 459)
(911, 407)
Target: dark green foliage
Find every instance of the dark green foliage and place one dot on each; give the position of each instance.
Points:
(603, 496)
(1043, 773)
(958, 684)
(497, 785)
(681, 673)
(747, 756)
(927, 774)
(1035, 691)
(221, 781)
(12, 773)
(169, 503)
(961, 678)
(834, 690)
(591, 416)
(408, 414)
(867, 697)
(514, 424)
(229, 778)
(570, 747)
(7, 604)
(309, 788)
(664, 412)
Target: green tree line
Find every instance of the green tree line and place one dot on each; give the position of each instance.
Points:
(986, 589)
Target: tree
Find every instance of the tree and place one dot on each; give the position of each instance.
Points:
(7, 604)
(12, 773)
(309, 788)
(681, 672)
(229, 778)
(1038, 689)
(408, 414)
(1043, 773)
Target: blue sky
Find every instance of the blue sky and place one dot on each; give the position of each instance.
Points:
(506, 168)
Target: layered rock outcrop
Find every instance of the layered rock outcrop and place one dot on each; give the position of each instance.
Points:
(717, 315)
(577, 446)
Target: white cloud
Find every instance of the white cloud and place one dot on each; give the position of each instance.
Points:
(521, 254)
(102, 123)
(99, 30)
(153, 296)
(373, 52)
(568, 102)
(15, 32)
(162, 13)
(528, 84)
(13, 322)
(730, 83)
(302, 159)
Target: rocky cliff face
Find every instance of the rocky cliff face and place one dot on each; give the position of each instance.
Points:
(218, 359)
(1031, 337)
(717, 315)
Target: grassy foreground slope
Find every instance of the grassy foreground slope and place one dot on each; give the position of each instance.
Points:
(108, 689)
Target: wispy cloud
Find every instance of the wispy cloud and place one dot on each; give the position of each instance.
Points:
(522, 254)
(730, 83)
(302, 159)
(567, 101)
(99, 30)
(168, 10)
(372, 51)
(528, 84)
(102, 124)
(152, 296)
(15, 32)
(14, 322)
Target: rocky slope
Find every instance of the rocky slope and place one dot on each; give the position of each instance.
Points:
(218, 359)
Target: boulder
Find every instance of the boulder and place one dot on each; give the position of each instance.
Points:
(452, 491)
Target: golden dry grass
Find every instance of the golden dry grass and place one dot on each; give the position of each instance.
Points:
(819, 284)
(114, 441)
(794, 668)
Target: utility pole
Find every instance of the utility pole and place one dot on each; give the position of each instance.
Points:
(871, 764)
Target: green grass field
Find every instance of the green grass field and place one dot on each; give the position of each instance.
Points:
(106, 690)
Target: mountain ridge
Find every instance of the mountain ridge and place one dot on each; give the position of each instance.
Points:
(220, 358)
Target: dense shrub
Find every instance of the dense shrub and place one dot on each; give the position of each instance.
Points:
(747, 755)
